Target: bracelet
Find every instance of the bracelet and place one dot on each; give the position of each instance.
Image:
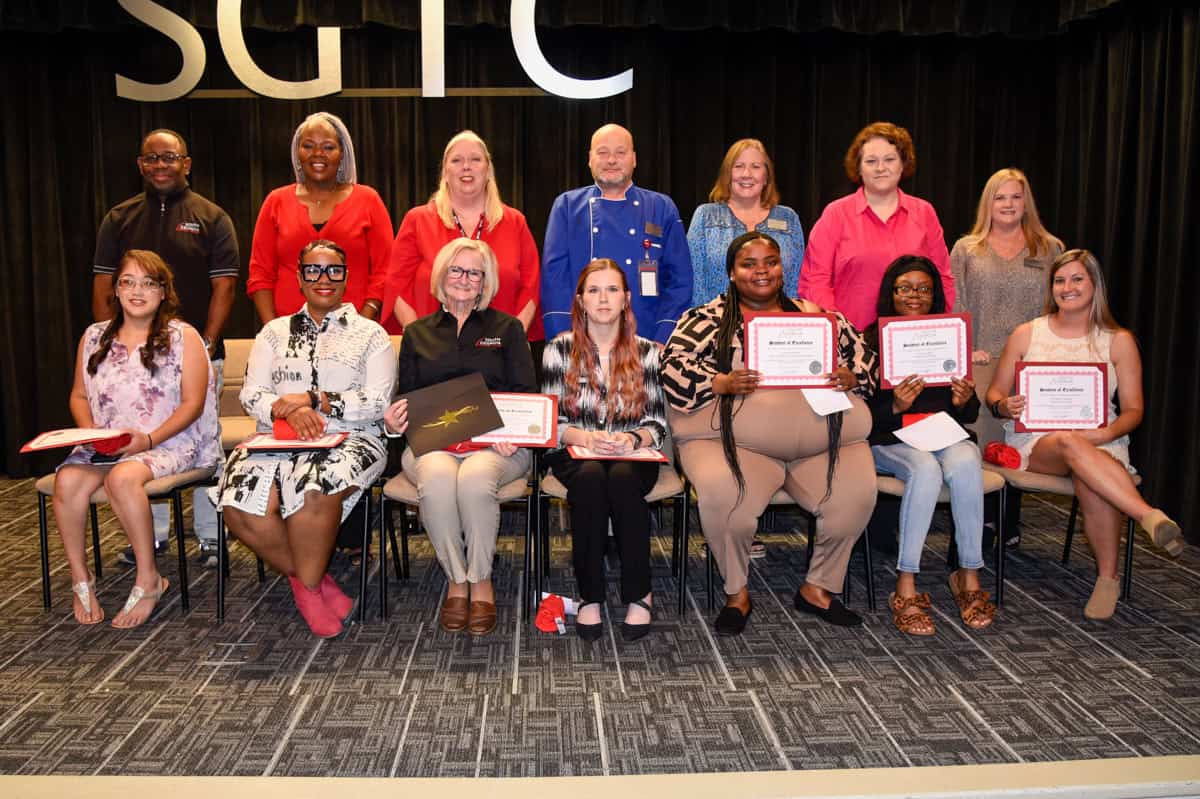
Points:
(995, 409)
(149, 441)
(637, 439)
(376, 304)
(314, 399)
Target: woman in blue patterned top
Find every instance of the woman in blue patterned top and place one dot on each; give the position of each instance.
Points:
(743, 199)
(610, 400)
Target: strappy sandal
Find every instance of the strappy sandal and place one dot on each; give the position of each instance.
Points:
(909, 616)
(974, 607)
(136, 595)
(632, 632)
(85, 592)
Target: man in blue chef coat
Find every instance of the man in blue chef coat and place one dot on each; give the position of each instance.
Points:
(639, 229)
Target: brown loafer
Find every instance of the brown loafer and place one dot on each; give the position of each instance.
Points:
(454, 614)
(482, 619)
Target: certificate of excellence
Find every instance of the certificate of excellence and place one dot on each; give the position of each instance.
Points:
(791, 350)
(530, 420)
(1062, 396)
(935, 347)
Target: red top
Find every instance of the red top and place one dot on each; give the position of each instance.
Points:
(360, 225)
(850, 248)
(422, 235)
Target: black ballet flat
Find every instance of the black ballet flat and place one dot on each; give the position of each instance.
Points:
(836, 614)
(632, 632)
(589, 632)
(731, 621)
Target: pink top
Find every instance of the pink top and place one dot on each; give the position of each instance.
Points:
(422, 235)
(850, 248)
(360, 225)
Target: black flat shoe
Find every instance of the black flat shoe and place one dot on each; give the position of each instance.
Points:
(632, 632)
(836, 614)
(731, 621)
(589, 632)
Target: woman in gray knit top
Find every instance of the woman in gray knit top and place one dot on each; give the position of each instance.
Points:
(1000, 273)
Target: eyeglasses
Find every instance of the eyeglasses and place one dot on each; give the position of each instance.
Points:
(152, 159)
(473, 275)
(145, 284)
(904, 290)
(312, 272)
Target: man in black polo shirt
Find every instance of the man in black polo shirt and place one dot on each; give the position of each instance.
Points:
(196, 238)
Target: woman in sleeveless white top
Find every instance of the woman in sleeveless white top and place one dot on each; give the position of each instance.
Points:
(1077, 326)
(1045, 345)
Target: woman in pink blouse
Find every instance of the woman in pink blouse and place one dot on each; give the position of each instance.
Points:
(466, 203)
(325, 202)
(857, 236)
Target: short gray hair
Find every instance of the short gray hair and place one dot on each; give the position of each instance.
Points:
(491, 270)
(347, 171)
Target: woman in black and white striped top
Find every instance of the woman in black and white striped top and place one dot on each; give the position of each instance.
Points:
(610, 401)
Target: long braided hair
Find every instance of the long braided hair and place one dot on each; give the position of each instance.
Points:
(730, 326)
(158, 339)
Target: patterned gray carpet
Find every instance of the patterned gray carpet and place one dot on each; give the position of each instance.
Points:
(258, 695)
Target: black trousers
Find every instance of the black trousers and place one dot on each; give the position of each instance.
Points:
(598, 491)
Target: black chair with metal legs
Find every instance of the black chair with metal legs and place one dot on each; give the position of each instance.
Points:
(170, 487)
(223, 565)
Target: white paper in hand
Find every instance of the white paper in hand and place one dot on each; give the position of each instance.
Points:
(825, 401)
(933, 433)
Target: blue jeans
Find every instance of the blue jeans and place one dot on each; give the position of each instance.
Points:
(923, 473)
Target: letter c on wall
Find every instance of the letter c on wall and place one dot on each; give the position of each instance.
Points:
(539, 70)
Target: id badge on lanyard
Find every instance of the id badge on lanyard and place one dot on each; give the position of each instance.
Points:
(648, 273)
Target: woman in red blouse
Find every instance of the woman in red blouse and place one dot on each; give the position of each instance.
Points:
(858, 236)
(466, 203)
(325, 202)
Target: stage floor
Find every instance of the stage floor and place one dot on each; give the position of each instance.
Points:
(258, 696)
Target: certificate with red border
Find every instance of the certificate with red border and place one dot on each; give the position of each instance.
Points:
(1061, 395)
(791, 350)
(69, 437)
(265, 442)
(530, 420)
(643, 454)
(935, 347)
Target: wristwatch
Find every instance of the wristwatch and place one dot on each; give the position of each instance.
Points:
(995, 409)
(314, 399)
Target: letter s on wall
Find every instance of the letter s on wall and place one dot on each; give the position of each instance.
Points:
(180, 32)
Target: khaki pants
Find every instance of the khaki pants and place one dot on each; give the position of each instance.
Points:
(459, 506)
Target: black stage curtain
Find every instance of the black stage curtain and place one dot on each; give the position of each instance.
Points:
(961, 17)
(1102, 116)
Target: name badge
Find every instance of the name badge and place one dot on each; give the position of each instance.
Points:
(653, 229)
(777, 224)
(488, 342)
(648, 278)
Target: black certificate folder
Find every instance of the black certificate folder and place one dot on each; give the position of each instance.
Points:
(446, 413)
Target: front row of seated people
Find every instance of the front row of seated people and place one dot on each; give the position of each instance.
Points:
(325, 369)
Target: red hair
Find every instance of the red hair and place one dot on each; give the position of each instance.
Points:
(626, 398)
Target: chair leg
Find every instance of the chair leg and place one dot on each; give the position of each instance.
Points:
(679, 534)
(529, 602)
(710, 568)
(1001, 543)
(405, 531)
(869, 568)
(383, 575)
(1127, 577)
(96, 559)
(262, 570)
(388, 523)
(44, 539)
(177, 509)
(222, 565)
(366, 551)
(1066, 555)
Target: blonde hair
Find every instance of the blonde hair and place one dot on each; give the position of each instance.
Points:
(723, 189)
(442, 262)
(1037, 238)
(493, 209)
(1101, 317)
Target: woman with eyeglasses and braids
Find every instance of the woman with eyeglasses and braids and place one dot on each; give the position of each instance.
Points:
(147, 373)
(322, 370)
(739, 444)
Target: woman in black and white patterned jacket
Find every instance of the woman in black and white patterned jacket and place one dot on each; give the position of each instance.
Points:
(323, 370)
(610, 402)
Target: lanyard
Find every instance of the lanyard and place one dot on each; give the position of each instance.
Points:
(478, 228)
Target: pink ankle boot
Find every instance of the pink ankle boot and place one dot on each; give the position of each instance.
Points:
(335, 598)
(321, 620)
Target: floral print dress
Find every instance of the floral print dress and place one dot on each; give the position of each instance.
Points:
(123, 395)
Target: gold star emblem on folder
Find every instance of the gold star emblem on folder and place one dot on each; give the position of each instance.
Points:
(449, 418)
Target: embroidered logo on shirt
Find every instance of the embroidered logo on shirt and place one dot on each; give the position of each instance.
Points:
(489, 342)
(188, 227)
